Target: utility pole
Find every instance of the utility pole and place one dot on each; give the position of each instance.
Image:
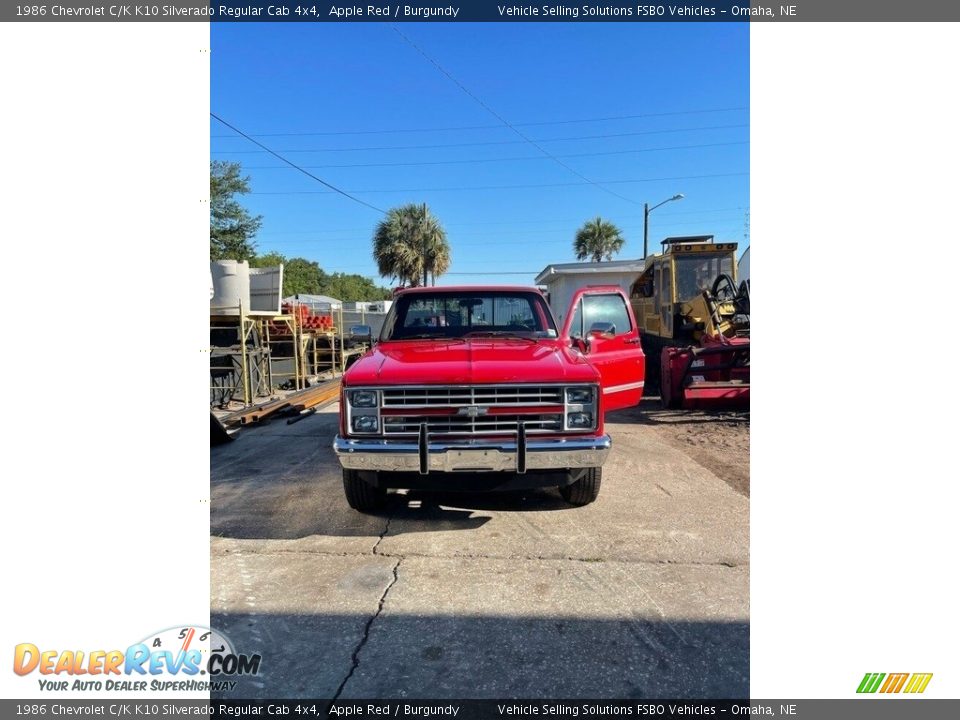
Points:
(646, 219)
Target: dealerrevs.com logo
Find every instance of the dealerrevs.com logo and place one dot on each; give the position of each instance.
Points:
(183, 658)
(910, 683)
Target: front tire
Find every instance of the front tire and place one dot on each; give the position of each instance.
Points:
(361, 496)
(584, 490)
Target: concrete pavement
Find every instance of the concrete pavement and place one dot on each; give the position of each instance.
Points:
(644, 593)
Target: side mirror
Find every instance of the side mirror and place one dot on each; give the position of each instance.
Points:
(603, 329)
(362, 332)
(581, 344)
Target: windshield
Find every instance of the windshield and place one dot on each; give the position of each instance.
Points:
(469, 312)
(696, 273)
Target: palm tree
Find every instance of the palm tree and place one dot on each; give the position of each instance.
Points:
(598, 239)
(411, 245)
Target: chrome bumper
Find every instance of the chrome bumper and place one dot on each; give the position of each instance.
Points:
(475, 455)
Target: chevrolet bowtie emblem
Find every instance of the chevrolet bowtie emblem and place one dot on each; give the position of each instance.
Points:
(472, 411)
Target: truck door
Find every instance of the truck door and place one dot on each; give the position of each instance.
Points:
(600, 321)
(666, 300)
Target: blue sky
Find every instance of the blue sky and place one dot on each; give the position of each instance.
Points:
(347, 83)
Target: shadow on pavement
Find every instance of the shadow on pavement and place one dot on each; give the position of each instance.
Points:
(462, 657)
(649, 412)
(294, 507)
(286, 485)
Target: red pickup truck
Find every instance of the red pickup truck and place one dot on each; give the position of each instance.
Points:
(477, 388)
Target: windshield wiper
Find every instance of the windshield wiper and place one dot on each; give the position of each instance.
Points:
(429, 336)
(501, 333)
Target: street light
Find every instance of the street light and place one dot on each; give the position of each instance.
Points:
(646, 217)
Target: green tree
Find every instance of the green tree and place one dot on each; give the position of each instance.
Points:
(351, 288)
(270, 259)
(232, 228)
(302, 276)
(410, 244)
(598, 239)
(306, 277)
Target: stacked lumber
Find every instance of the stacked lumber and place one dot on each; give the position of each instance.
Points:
(297, 403)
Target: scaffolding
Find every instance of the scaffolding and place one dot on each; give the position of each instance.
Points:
(268, 351)
(291, 340)
(243, 364)
(327, 349)
(239, 362)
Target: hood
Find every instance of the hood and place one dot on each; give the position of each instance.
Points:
(472, 361)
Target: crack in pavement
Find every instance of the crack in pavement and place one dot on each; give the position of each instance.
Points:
(386, 529)
(476, 556)
(355, 656)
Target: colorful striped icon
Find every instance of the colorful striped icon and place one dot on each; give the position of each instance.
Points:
(894, 682)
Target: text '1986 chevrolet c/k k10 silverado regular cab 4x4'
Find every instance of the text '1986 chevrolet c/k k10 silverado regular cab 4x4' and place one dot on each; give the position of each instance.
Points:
(476, 388)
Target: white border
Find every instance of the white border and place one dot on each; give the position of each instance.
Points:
(105, 514)
(854, 157)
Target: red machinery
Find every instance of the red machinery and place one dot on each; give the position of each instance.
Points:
(715, 373)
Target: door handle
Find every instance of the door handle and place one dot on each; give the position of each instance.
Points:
(632, 341)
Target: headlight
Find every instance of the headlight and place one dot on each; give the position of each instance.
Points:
(363, 398)
(580, 420)
(365, 423)
(580, 395)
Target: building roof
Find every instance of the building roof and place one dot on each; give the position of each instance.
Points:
(587, 268)
(304, 299)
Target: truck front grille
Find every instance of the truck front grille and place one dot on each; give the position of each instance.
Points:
(485, 396)
(463, 425)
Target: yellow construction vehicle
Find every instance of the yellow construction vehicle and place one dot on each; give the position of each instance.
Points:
(695, 323)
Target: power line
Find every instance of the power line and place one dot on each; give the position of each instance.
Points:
(454, 245)
(511, 222)
(506, 122)
(342, 268)
(454, 237)
(505, 187)
(389, 131)
(602, 136)
(493, 160)
(294, 165)
(495, 272)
